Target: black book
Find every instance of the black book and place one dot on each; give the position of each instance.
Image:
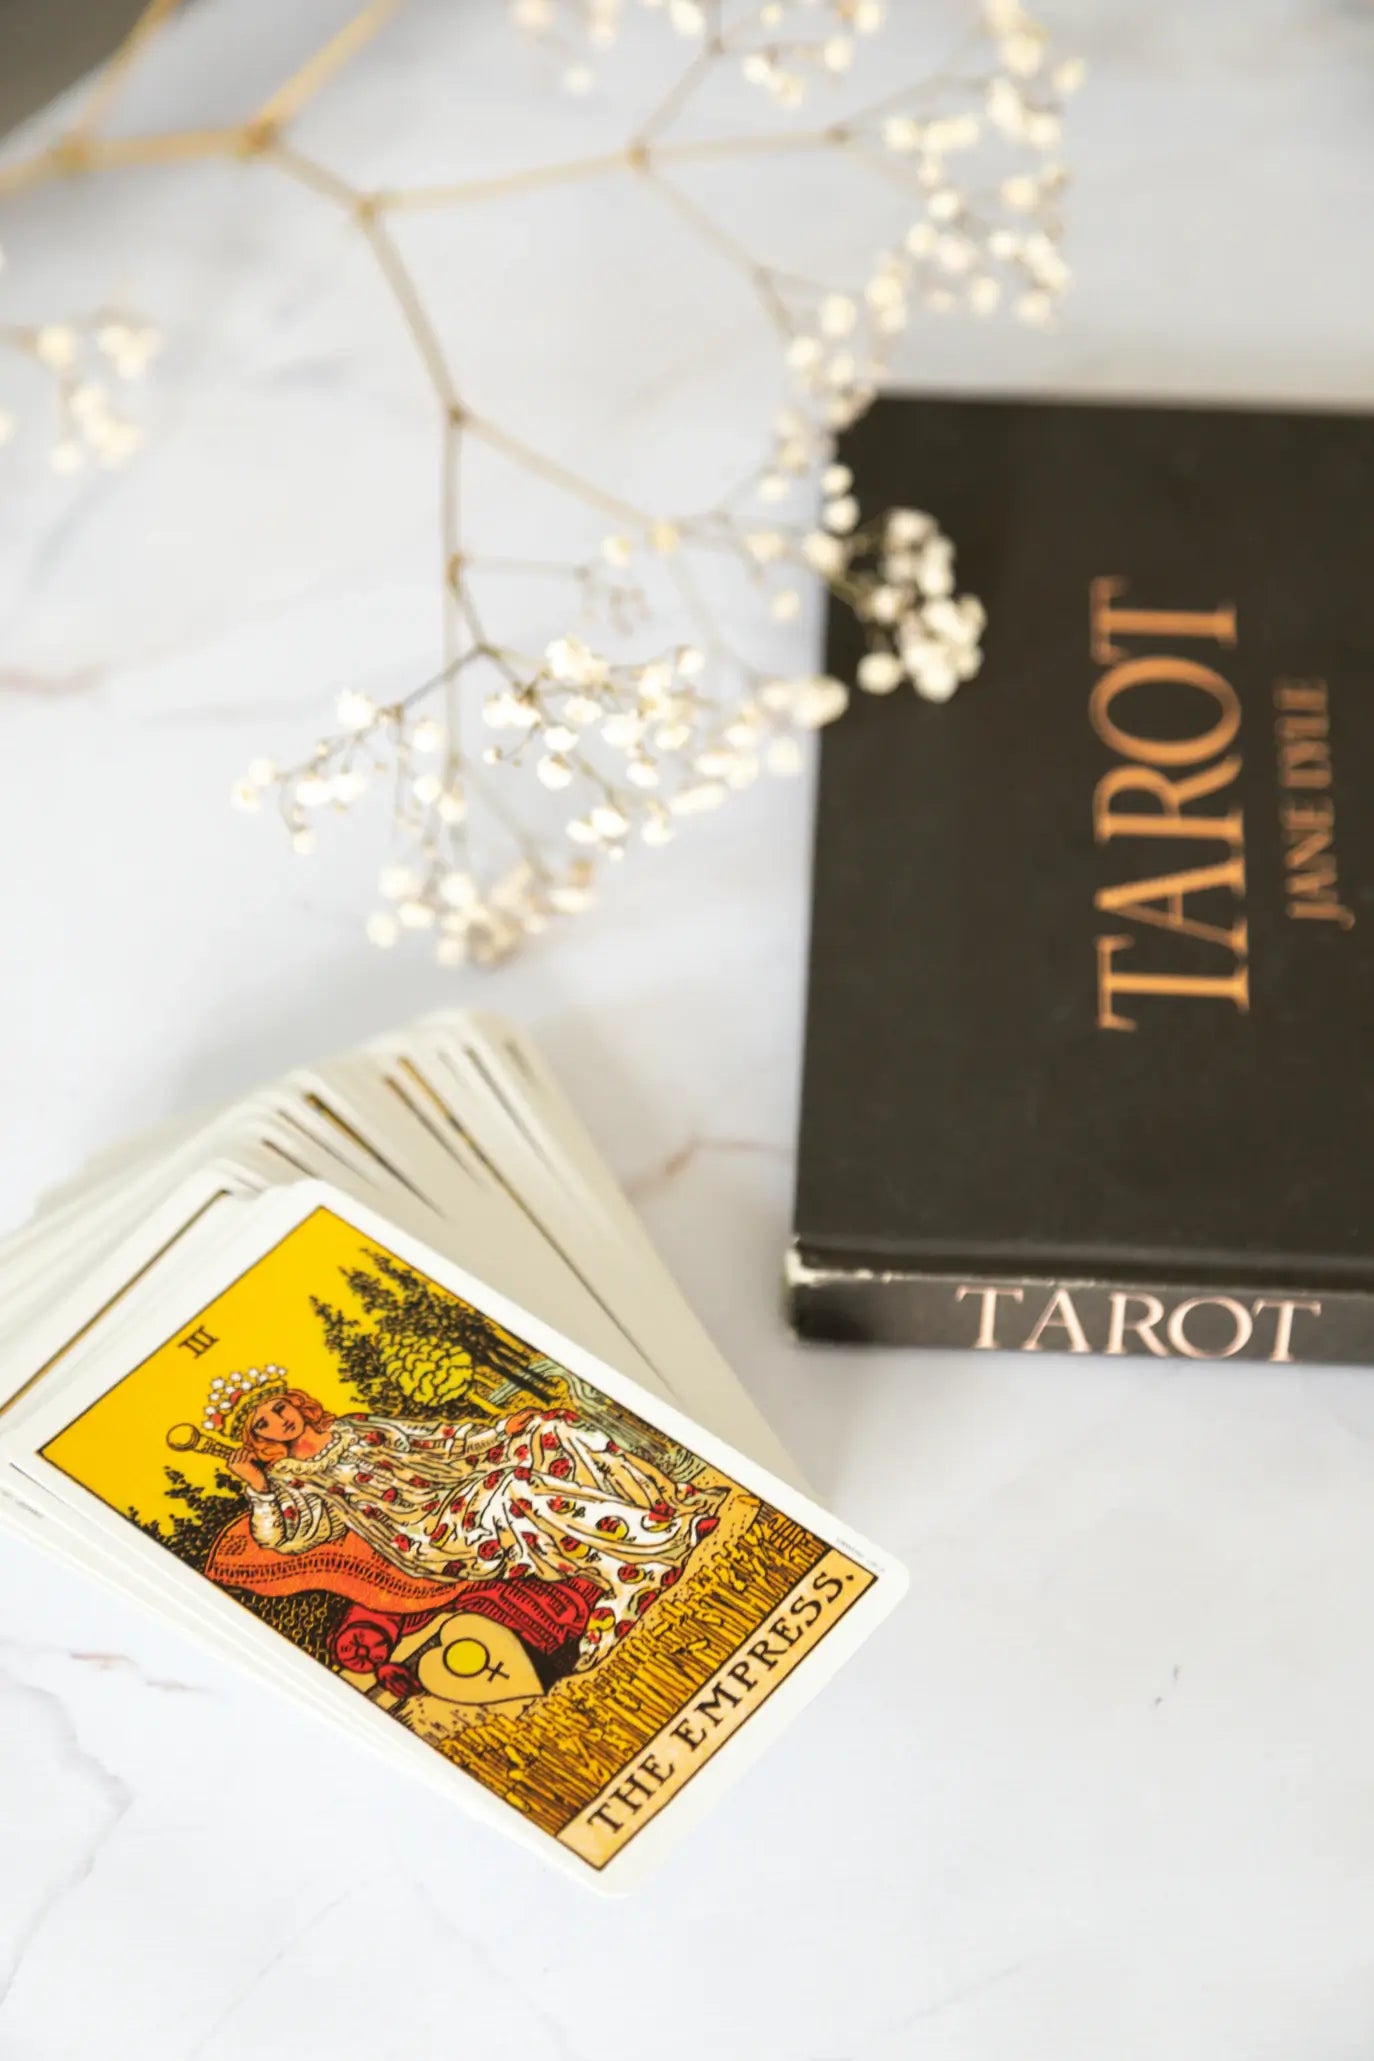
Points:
(1090, 1033)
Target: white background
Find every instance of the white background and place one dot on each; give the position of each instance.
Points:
(1105, 1787)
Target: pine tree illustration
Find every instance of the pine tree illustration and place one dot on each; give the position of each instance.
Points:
(361, 1360)
(190, 1532)
(432, 1348)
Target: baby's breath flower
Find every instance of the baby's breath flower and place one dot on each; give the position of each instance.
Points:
(824, 554)
(77, 358)
(880, 671)
(355, 711)
(818, 701)
(631, 742)
(458, 890)
(55, 346)
(698, 800)
(783, 756)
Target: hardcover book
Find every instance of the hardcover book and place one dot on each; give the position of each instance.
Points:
(1089, 1053)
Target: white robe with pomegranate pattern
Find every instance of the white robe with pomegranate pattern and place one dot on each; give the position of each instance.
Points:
(462, 1501)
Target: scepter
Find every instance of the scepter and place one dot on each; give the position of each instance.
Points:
(187, 1438)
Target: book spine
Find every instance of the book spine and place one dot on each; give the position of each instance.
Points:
(866, 1305)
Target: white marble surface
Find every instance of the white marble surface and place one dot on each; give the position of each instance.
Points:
(1106, 1787)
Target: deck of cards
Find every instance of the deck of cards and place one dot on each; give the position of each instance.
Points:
(375, 1381)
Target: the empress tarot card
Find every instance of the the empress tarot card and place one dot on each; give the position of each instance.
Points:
(575, 1604)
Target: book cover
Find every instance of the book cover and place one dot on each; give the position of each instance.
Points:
(1088, 1047)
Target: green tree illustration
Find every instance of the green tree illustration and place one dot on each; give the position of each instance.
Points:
(361, 1360)
(429, 1350)
(190, 1532)
(426, 1348)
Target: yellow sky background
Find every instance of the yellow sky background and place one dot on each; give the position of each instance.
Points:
(118, 1446)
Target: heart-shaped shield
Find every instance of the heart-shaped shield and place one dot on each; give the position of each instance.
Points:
(467, 1659)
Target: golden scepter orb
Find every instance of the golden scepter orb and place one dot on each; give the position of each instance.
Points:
(186, 1438)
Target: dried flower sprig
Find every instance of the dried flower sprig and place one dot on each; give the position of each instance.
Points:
(897, 574)
(630, 748)
(79, 358)
(622, 746)
(635, 747)
(780, 47)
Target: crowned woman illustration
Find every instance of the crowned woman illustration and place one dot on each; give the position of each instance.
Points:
(538, 1521)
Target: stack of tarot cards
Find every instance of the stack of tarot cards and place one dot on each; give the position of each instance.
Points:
(375, 1381)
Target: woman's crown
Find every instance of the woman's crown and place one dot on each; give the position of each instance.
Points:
(234, 1397)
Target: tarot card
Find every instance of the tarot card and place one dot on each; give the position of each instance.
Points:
(516, 1571)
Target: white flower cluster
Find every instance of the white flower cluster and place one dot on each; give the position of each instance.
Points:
(800, 443)
(79, 358)
(897, 575)
(781, 47)
(427, 893)
(597, 22)
(577, 28)
(978, 240)
(627, 749)
(794, 53)
(430, 886)
(370, 741)
(635, 749)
